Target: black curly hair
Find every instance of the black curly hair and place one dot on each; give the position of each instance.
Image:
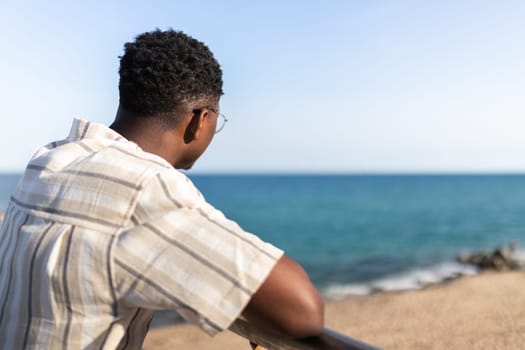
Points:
(162, 70)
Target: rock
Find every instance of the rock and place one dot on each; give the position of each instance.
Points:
(501, 259)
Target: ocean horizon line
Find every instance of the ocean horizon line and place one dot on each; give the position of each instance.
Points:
(328, 173)
(354, 173)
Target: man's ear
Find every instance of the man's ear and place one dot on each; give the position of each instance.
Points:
(194, 126)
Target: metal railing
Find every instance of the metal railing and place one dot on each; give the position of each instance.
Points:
(328, 340)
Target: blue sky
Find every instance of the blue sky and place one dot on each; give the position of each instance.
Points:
(310, 86)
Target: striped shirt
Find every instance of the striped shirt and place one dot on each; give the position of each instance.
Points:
(99, 234)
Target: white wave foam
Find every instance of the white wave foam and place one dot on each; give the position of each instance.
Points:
(413, 279)
(519, 254)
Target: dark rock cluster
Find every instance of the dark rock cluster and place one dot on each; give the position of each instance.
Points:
(500, 259)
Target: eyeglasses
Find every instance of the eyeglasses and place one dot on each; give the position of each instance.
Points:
(220, 123)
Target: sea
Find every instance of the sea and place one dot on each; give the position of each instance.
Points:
(359, 234)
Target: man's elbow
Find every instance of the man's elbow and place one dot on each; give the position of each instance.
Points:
(287, 302)
(310, 323)
(308, 320)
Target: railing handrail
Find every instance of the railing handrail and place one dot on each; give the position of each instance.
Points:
(328, 340)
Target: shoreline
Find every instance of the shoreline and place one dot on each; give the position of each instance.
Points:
(483, 311)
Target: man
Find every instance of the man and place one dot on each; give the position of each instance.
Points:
(103, 229)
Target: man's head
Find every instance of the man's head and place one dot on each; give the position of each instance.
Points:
(169, 82)
(162, 71)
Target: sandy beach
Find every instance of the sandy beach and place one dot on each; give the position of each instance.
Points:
(486, 311)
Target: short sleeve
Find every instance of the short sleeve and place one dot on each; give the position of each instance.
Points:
(183, 254)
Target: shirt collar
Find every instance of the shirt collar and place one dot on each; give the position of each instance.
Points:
(84, 129)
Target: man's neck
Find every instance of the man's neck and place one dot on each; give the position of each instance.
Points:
(147, 133)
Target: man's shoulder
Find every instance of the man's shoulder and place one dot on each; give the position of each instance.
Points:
(119, 158)
(89, 183)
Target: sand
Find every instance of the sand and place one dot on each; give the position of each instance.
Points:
(486, 311)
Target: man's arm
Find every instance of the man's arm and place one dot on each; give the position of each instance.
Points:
(287, 302)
